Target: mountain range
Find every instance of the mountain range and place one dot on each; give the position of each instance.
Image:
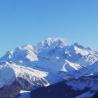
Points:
(49, 66)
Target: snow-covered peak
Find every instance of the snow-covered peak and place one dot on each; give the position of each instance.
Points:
(51, 42)
(52, 55)
(49, 61)
(26, 47)
(30, 52)
(20, 55)
(76, 49)
(83, 51)
(55, 41)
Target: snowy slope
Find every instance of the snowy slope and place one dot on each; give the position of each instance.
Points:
(14, 78)
(74, 60)
(20, 55)
(54, 56)
(48, 62)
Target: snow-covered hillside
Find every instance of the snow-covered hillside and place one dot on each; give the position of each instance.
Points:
(48, 62)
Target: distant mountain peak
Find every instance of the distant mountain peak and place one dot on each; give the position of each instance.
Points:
(51, 59)
(53, 40)
(26, 47)
(50, 43)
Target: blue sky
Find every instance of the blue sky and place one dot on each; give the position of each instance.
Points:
(29, 21)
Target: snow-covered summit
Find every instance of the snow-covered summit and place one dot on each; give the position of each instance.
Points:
(20, 55)
(52, 58)
(50, 42)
